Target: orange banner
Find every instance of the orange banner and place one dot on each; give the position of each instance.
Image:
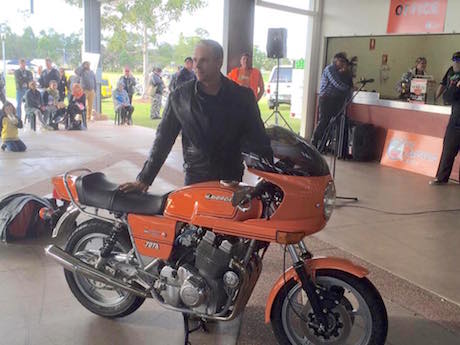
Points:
(417, 16)
(412, 152)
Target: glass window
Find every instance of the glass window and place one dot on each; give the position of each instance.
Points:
(285, 75)
(300, 4)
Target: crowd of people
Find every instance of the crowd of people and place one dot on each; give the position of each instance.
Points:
(51, 97)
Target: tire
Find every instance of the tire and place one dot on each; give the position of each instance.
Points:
(128, 304)
(378, 327)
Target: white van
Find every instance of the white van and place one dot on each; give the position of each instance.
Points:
(284, 88)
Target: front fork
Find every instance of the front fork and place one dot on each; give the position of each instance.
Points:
(314, 294)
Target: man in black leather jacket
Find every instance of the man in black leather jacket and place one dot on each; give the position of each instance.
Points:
(218, 120)
(451, 143)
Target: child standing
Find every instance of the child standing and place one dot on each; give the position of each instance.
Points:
(9, 124)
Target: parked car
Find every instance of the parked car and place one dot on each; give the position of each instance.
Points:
(284, 88)
(106, 87)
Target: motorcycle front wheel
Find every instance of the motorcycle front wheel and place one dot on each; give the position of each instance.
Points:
(95, 296)
(360, 317)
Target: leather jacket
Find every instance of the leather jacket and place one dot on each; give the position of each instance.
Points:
(215, 131)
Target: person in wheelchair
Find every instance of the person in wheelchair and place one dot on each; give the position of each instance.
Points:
(123, 108)
(54, 108)
(34, 105)
(76, 110)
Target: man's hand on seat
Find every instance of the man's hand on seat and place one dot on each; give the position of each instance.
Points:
(137, 186)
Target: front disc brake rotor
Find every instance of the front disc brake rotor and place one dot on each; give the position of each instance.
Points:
(339, 326)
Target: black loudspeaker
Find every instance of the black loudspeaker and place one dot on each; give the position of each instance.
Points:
(363, 142)
(276, 43)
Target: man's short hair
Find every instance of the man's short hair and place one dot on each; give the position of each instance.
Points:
(22, 60)
(48, 60)
(342, 56)
(53, 82)
(216, 48)
(188, 58)
(246, 54)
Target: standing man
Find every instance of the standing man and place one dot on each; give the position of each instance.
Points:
(48, 74)
(129, 83)
(336, 85)
(88, 83)
(451, 145)
(184, 75)
(218, 119)
(2, 89)
(22, 77)
(62, 84)
(248, 76)
(156, 92)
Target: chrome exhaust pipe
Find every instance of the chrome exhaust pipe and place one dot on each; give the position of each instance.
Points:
(75, 265)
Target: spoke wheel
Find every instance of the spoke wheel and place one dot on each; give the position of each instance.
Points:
(101, 299)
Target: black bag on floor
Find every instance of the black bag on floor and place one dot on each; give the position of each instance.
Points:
(19, 217)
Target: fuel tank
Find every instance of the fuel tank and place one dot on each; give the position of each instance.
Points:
(209, 199)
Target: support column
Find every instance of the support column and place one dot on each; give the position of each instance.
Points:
(312, 61)
(92, 39)
(238, 31)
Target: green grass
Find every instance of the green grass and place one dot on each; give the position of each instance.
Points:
(141, 115)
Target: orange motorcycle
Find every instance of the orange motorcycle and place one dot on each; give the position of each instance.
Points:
(199, 250)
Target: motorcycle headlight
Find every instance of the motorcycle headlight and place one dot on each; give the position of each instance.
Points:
(329, 200)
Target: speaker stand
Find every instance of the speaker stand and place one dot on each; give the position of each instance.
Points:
(276, 112)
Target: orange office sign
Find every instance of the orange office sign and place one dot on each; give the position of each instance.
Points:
(416, 16)
(412, 152)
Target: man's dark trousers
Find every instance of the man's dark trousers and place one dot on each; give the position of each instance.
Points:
(328, 108)
(450, 148)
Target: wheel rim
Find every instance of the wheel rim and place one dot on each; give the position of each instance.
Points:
(97, 292)
(353, 313)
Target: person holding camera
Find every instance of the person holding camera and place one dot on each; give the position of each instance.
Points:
(450, 85)
(336, 86)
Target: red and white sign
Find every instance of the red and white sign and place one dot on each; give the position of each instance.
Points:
(412, 152)
(416, 16)
(418, 89)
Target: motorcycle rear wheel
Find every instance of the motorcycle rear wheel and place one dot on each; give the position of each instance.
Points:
(359, 319)
(95, 296)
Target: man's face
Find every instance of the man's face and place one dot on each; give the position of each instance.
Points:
(188, 65)
(456, 66)
(120, 87)
(33, 85)
(245, 61)
(206, 65)
(127, 72)
(53, 86)
(341, 66)
(22, 64)
(61, 71)
(48, 64)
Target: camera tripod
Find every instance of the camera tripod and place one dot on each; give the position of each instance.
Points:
(276, 112)
(339, 134)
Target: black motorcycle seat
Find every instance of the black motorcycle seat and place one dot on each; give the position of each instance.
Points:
(95, 190)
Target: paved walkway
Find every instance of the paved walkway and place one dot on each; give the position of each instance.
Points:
(413, 259)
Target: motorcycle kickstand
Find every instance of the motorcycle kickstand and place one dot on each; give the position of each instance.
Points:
(188, 331)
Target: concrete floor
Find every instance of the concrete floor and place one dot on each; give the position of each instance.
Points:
(413, 259)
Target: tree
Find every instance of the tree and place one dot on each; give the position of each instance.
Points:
(261, 61)
(146, 19)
